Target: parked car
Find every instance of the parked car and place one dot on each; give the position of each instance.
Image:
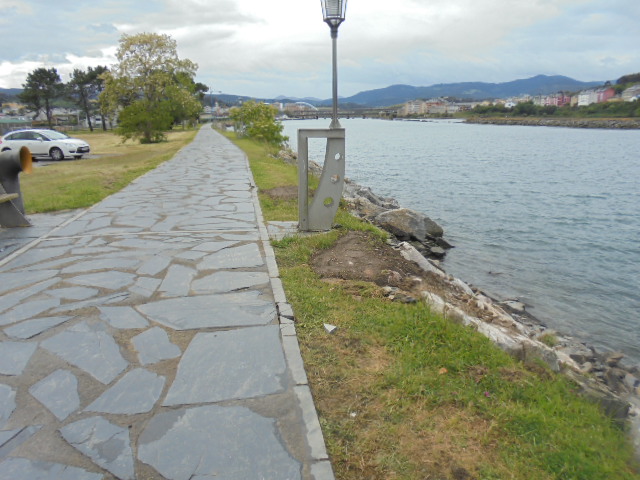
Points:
(45, 143)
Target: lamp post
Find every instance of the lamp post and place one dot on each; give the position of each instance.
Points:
(320, 214)
(333, 12)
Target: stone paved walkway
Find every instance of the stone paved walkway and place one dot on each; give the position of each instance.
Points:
(149, 337)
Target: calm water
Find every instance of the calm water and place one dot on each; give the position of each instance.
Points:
(550, 216)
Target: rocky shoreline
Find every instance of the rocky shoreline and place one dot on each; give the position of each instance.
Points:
(617, 123)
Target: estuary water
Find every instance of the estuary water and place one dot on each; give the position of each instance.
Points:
(549, 216)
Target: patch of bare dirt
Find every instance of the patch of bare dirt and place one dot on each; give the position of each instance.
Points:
(287, 192)
(360, 256)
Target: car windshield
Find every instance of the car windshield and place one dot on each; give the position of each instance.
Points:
(53, 135)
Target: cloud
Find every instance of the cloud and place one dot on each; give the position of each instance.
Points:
(257, 48)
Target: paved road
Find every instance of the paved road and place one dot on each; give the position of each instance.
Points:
(149, 337)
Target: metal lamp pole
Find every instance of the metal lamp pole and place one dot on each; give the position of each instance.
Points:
(333, 12)
(319, 215)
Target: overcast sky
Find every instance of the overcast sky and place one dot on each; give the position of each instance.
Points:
(266, 48)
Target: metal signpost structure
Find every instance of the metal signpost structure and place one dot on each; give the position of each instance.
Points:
(320, 214)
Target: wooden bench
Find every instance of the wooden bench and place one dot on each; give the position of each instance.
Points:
(7, 197)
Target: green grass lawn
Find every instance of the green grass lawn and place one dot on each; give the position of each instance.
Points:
(82, 183)
(404, 394)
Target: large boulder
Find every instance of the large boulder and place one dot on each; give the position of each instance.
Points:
(384, 202)
(408, 224)
(365, 208)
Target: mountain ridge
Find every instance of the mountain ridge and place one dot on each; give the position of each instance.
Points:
(401, 93)
(537, 85)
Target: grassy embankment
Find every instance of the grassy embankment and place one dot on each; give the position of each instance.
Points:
(404, 394)
(81, 183)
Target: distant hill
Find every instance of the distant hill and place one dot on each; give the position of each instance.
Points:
(538, 85)
(283, 98)
(10, 92)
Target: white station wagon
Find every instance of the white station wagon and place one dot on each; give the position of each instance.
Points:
(45, 144)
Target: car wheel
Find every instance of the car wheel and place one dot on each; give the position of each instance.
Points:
(56, 154)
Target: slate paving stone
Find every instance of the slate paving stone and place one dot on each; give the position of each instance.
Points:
(211, 442)
(145, 286)
(209, 311)
(190, 255)
(154, 346)
(25, 469)
(106, 444)
(223, 282)
(6, 436)
(215, 368)
(58, 392)
(135, 221)
(7, 403)
(39, 254)
(154, 265)
(73, 293)
(93, 302)
(27, 310)
(31, 328)
(90, 348)
(244, 256)
(101, 264)
(177, 281)
(112, 280)
(15, 280)
(211, 247)
(14, 356)
(142, 243)
(239, 237)
(136, 392)
(16, 438)
(49, 265)
(9, 301)
(122, 317)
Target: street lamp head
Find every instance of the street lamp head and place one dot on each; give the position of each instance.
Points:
(333, 12)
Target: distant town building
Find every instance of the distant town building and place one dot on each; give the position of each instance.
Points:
(556, 99)
(631, 94)
(597, 95)
(435, 106)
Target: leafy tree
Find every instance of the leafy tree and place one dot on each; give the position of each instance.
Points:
(42, 87)
(490, 109)
(85, 86)
(150, 87)
(525, 108)
(258, 120)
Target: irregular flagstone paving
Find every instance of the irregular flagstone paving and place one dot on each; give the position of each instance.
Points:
(232, 442)
(141, 339)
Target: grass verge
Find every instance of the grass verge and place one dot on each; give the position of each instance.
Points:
(404, 394)
(82, 183)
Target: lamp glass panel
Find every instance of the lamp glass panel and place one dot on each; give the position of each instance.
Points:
(333, 8)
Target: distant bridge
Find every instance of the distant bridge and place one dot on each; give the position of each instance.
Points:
(364, 113)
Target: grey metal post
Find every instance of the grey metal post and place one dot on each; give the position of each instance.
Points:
(335, 123)
(320, 214)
